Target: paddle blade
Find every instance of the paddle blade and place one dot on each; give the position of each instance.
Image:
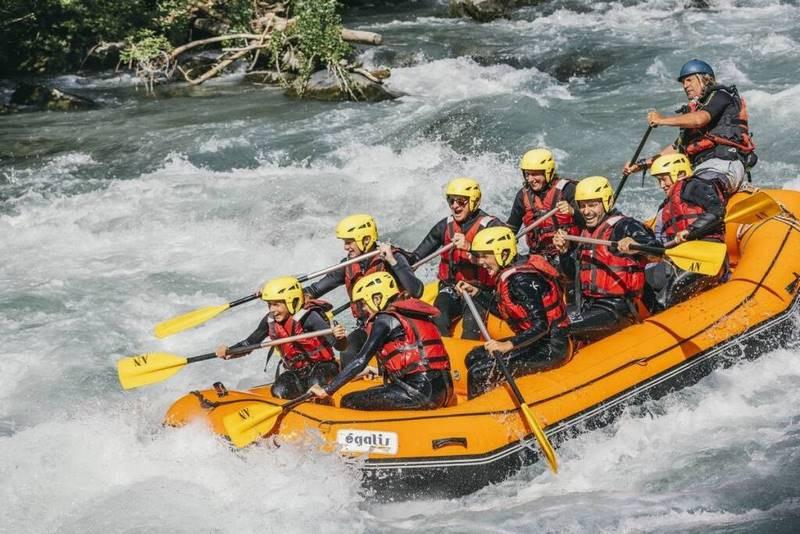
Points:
(252, 421)
(541, 437)
(188, 320)
(148, 368)
(754, 208)
(703, 257)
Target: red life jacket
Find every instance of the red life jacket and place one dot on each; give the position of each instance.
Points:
(456, 264)
(352, 273)
(605, 274)
(731, 129)
(553, 298)
(677, 214)
(421, 348)
(540, 239)
(300, 354)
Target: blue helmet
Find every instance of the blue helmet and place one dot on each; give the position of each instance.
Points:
(695, 66)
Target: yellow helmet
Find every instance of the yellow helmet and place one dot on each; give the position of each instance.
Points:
(595, 188)
(465, 187)
(499, 240)
(285, 288)
(539, 159)
(672, 164)
(358, 227)
(367, 287)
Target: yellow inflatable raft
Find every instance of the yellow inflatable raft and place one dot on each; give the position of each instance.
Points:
(458, 449)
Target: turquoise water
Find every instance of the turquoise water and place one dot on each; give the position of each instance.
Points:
(114, 219)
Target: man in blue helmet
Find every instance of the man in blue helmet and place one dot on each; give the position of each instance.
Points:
(714, 131)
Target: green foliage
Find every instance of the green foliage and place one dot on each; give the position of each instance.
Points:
(319, 33)
(144, 46)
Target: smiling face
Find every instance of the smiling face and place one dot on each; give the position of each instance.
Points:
(488, 262)
(693, 86)
(459, 207)
(664, 182)
(278, 310)
(351, 248)
(536, 180)
(593, 211)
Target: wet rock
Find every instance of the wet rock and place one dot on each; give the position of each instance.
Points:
(41, 97)
(324, 86)
(697, 4)
(481, 10)
(564, 67)
(269, 77)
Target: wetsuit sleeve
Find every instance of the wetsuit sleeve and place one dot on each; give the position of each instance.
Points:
(314, 320)
(526, 290)
(630, 227)
(259, 334)
(703, 194)
(382, 331)
(406, 277)
(327, 283)
(717, 104)
(431, 242)
(486, 300)
(517, 211)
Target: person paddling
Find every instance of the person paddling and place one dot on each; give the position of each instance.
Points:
(714, 129)
(466, 219)
(529, 299)
(408, 347)
(611, 279)
(691, 204)
(306, 362)
(542, 190)
(360, 236)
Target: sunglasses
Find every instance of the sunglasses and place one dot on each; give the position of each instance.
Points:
(460, 201)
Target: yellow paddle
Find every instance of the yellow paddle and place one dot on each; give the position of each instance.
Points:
(152, 367)
(702, 257)
(533, 424)
(201, 315)
(256, 419)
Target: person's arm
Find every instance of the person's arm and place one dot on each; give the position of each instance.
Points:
(703, 194)
(517, 211)
(314, 321)
(526, 290)
(405, 276)
(431, 242)
(378, 337)
(259, 334)
(630, 227)
(569, 197)
(327, 283)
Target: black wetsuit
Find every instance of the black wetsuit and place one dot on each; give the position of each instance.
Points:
(449, 303)
(668, 285)
(402, 271)
(292, 383)
(431, 389)
(595, 318)
(538, 347)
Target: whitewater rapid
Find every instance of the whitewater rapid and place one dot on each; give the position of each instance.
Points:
(115, 219)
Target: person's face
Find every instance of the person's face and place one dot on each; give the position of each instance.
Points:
(278, 310)
(536, 180)
(488, 262)
(592, 211)
(664, 181)
(351, 248)
(459, 207)
(693, 86)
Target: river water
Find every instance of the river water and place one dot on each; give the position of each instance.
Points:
(114, 219)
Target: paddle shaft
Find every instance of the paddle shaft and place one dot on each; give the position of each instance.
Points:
(500, 363)
(633, 160)
(264, 345)
(524, 230)
(326, 270)
(656, 251)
